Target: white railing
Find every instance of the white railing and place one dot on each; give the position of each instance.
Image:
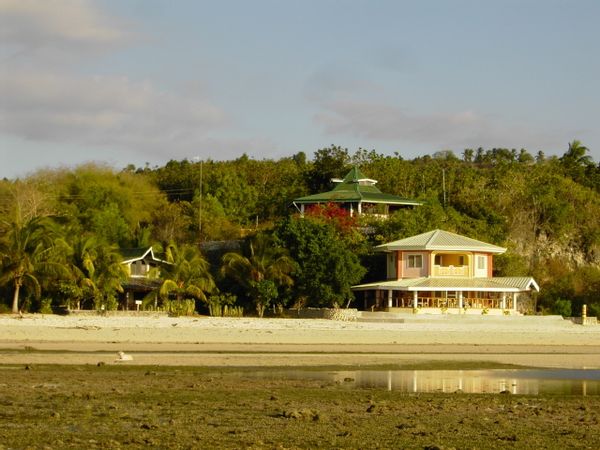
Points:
(451, 271)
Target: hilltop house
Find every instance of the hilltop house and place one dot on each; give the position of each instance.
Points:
(143, 269)
(441, 272)
(357, 193)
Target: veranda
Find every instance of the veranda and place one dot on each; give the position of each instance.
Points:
(436, 302)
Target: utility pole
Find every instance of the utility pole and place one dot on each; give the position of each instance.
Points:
(200, 207)
(444, 185)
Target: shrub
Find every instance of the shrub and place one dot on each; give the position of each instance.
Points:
(177, 308)
(562, 307)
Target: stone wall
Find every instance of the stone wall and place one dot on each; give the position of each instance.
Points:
(346, 315)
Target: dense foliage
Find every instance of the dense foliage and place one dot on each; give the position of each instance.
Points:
(544, 210)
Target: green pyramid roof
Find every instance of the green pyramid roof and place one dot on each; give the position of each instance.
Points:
(355, 187)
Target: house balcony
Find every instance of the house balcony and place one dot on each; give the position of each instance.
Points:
(450, 271)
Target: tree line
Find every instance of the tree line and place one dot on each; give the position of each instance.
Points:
(61, 230)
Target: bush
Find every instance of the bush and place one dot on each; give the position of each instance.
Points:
(594, 310)
(562, 307)
(222, 305)
(46, 306)
(177, 308)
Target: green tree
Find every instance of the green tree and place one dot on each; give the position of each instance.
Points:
(80, 285)
(328, 163)
(326, 268)
(187, 276)
(264, 267)
(95, 271)
(577, 163)
(109, 275)
(576, 155)
(25, 252)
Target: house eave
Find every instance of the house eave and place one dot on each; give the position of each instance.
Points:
(497, 284)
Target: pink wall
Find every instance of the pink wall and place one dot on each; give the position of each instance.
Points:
(409, 272)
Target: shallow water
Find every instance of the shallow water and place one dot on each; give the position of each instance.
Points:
(515, 381)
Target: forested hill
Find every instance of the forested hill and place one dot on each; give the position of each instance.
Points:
(546, 211)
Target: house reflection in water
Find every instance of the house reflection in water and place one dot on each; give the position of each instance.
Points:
(522, 382)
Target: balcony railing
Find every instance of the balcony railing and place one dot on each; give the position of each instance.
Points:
(451, 271)
(441, 302)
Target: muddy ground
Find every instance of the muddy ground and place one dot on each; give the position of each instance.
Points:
(112, 406)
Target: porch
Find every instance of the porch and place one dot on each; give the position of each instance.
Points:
(448, 302)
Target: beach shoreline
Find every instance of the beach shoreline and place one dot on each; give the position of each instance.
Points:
(253, 342)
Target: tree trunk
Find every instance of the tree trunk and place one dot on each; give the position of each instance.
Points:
(260, 309)
(15, 304)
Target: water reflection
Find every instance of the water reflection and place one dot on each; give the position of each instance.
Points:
(531, 382)
(520, 381)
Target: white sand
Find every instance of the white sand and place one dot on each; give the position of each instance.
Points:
(547, 342)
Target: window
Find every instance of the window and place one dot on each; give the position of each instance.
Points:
(481, 262)
(415, 261)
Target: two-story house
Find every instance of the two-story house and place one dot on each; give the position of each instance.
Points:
(438, 272)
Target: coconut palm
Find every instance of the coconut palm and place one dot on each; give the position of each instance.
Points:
(108, 276)
(80, 286)
(187, 275)
(95, 272)
(260, 272)
(26, 255)
(576, 162)
(576, 155)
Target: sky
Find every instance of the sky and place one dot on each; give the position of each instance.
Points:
(146, 81)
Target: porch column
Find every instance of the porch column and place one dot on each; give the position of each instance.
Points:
(504, 300)
(351, 210)
(302, 209)
(515, 301)
(460, 300)
(359, 208)
(415, 299)
(390, 298)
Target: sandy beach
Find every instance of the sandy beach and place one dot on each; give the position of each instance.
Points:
(209, 341)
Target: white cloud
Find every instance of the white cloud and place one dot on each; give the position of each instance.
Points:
(56, 23)
(382, 121)
(111, 111)
(386, 122)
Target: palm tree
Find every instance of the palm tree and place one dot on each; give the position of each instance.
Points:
(108, 276)
(96, 272)
(81, 263)
(26, 254)
(187, 275)
(259, 273)
(576, 155)
(576, 162)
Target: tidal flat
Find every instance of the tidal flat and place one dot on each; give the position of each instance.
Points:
(112, 406)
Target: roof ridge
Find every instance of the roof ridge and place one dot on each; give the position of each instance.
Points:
(434, 235)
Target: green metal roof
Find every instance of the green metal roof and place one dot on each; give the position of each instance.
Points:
(440, 240)
(496, 284)
(355, 187)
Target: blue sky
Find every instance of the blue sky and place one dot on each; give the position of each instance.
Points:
(146, 81)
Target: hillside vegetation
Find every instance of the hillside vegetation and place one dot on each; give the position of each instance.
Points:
(60, 230)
